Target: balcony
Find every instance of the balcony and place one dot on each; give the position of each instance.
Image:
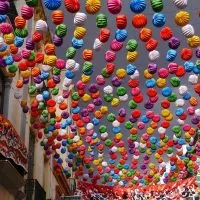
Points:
(12, 146)
(13, 157)
(34, 191)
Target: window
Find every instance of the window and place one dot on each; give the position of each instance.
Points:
(1, 92)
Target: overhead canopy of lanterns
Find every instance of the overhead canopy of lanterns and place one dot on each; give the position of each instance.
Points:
(103, 140)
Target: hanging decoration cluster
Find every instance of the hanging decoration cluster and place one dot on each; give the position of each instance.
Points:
(104, 141)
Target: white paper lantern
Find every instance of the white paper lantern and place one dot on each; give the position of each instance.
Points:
(154, 55)
(161, 130)
(116, 123)
(121, 183)
(188, 30)
(89, 126)
(67, 82)
(180, 4)
(70, 64)
(76, 68)
(136, 157)
(114, 149)
(1, 41)
(41, 26)
(136, 144)
(104, 135)
(97, 44)
(142, 145)
(80, 18)
(39, 97)
(197, 112)
(135, 75)
(108, 89)
(39, 85)
(180, 102)
(76, 138)
(46, 68)
(180, 122)
(193, 79)
(123, 98)
(18, 94)
(182, 89)
(104, 164)
(100, 155)
(59, 99)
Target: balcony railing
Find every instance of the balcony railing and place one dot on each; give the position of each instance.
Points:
(11, 144)
(34, 191)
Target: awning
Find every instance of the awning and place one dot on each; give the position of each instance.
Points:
(11, 144)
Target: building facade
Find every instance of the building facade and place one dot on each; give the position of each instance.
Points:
(25, 171)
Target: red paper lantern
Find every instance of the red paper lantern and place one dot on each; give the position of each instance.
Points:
(121, 21)
(23, 66)
(57, 16)
(20, 22)
(166, 33)
(180, 71)
(151, 44)
(145, 34)
(37, 36)
(110, 67)
(186, 54)
(139, 21)
(49, 49)
(72, 6)
(104, 35)
(87, 54)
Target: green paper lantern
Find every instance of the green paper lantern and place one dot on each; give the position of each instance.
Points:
(132, 104)
(23, 33)
(128, 125)
(32, 89)
(157, 5)
(153, 146)
(56, 71)
(170, 150)
(198, 64)
(104, 74)
(75, 96)
(45, 113)
(101, 21)
(52, 121)
(172, 97)
(69, 141)
(108, 97)
(87, 166)
(121, 91)
(102, 129)
(12, 68)
(61, 30)
(41, 106)
(111, 117)
(108, 142)
(175, 81)
(32, 3)
(176, 129)
(179, 134)
(32, 56)
(55, 91)
(142, 150)
(87, 66)
(70, 53)
(120, 167)
(166, 139)
(133, 137)
(131, 45)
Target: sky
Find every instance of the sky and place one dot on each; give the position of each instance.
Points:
(142, 62)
